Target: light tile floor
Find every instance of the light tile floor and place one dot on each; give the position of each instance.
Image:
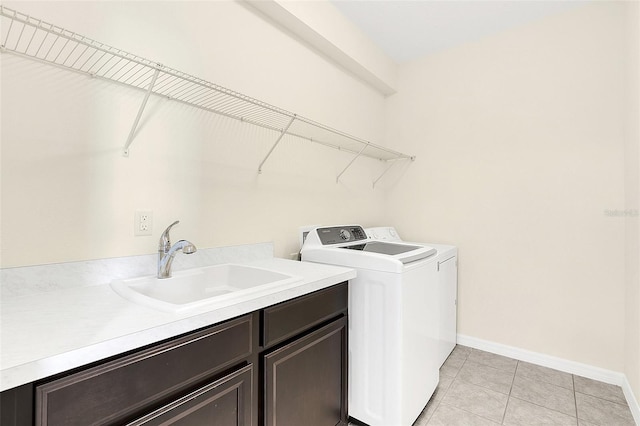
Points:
(478, 388)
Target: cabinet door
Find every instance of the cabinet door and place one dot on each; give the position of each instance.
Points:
(225, 402)
(306, 380)
(448, 282)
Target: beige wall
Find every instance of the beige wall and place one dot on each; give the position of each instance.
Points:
(632, 192)
(67, 192)
(520, 145)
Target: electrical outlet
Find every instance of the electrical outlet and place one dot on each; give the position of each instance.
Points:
(143, 223)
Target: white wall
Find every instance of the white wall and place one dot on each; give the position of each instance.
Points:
(520, 145)
(632, 193)
(67, 192)
(321, 25)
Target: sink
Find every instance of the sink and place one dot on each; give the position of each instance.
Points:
(212, 286)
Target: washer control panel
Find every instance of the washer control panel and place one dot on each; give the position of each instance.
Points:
(341, 234)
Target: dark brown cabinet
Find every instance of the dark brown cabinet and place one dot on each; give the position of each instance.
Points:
(304, 360)
(284, 365)
(305, 381)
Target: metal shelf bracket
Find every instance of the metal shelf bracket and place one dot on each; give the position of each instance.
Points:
(391, 164)
(351, 162)
(284, 132)
(132, 132)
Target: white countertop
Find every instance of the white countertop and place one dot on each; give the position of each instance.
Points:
(46, 333)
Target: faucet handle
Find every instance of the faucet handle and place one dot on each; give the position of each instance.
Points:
(165, 240)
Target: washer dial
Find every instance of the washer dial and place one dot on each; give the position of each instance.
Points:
(345, 235)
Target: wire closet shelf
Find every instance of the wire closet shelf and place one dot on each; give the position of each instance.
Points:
(33, 38)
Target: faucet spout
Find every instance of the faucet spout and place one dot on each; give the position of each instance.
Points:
(165, 241)
(167, 252)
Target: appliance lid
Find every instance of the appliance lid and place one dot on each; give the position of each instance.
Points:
(383, 248)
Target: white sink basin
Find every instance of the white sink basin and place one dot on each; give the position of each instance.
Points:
(212, 286)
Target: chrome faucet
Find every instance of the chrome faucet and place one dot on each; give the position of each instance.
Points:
(166, 252)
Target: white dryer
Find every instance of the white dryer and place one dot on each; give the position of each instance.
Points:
(447, 266)
(393, 322)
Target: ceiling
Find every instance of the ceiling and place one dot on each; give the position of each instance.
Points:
(407, 30)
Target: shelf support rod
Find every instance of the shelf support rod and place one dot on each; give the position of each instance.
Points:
(137, 120)
(284, 131)
(383, 173)
(351, 162)
(412, 158)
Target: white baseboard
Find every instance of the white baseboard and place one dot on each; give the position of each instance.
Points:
(556, 363)
(631, 400)
(560, 364)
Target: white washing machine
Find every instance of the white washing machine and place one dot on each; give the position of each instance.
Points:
(447, 266)
(393, 322)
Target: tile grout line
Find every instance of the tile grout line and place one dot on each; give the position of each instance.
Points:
(446, 391)
(453, 379)
(434, 411)
(575, 399)
(473, 414)
(604, 399)
(575, 392)
(459, 408)
(466, 358)
(544, 406)
(439, 402)
(509, 395)
(494, 368)
(510, 389)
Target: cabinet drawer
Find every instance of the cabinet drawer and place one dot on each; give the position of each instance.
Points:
(117, 390)
(287, 319)
(225, 402)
